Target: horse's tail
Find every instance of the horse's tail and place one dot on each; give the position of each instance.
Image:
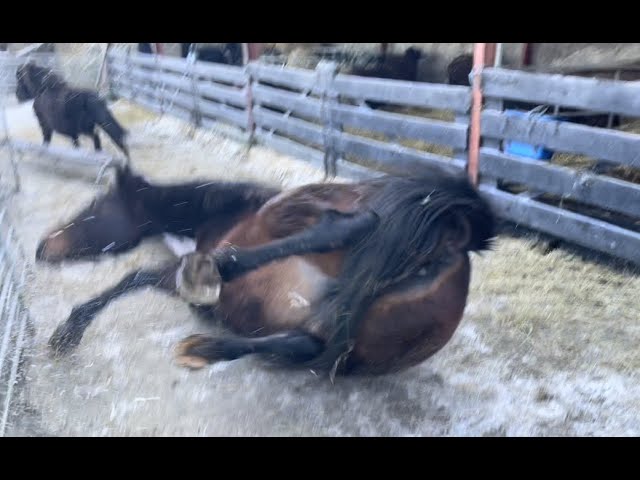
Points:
(99, 110)
(419, 216)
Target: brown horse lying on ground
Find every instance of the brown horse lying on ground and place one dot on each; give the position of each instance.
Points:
(369, 277)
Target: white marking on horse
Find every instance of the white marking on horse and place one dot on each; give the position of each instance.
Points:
(297, 301)
(179, 246)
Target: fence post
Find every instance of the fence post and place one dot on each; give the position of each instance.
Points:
(483, 53)
(196, 115)
(158, 85)
(251, 123)
(131, 82)
(326, 72)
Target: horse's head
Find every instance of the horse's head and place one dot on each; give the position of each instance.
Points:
(25, 89)
(33, 80)
(111, 223)
(413, 54)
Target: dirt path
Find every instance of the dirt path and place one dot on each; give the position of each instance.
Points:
(548, 345)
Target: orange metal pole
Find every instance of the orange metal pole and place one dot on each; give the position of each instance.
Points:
(476, 107)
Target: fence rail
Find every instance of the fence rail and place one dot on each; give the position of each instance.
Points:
(321, 114)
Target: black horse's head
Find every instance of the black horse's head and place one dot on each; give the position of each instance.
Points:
(110, 223)
(33, 79)
(413, 54)
(459, 69)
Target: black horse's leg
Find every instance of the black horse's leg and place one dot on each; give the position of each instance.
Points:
(69, 334)
(200, 275)
(47, 131)
(46, 136)
(334, 230)
(76, 141)
(97, 145)
(196, 351)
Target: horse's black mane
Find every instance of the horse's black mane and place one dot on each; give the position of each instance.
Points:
(192, 202)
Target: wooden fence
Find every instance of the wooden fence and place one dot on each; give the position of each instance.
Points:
(320, 114)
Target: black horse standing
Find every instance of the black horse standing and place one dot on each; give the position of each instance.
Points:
(66, 110)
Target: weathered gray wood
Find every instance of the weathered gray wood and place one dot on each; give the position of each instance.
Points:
(223, 112)
(576, 228)
(382, 156)
(608, 193)
(223, 94)
(290, 147)
(135, 76)
(186, 101)
(597, 143)
(326, 73)
(296, 103)
(173, 80)
(228, 129)
(416, 94)
(76, 155)
(433, 131)
(139, 89)
(599, 95)
(222, 73)
(462, 152)
(142, 59)
(154, 105)
(312, 156)
(174, 64)
(291, 126)
(288, 77)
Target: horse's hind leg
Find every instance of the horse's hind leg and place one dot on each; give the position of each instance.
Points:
(69, 334)
(197, 351)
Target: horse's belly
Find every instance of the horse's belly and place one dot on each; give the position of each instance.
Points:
(274, 298)
(404, 328)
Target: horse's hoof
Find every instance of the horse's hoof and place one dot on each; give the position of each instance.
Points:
(64, 340)
(185, 355)
(198, 280)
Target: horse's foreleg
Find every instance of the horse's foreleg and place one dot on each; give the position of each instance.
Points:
(97, 145)
(200, 275)
(47, 133)
(69, 334)
(196, 351)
